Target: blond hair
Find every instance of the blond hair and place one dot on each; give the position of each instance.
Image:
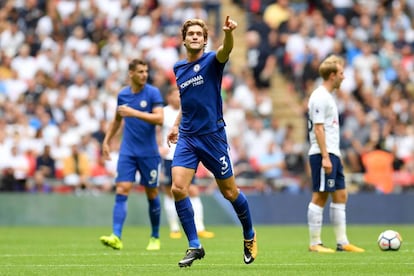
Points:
(330, 65)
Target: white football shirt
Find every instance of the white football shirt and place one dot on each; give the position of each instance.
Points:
(322, 109)
(170, 114)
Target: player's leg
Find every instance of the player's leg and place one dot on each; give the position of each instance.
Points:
(184, 164)
(320, 196)
(149, 169)
(337, 210)
(126, 170)
(181, 181)
(198, 212)
(119, 214)
(169, 204)
(216, 158)
(171, 214)
(240, 204)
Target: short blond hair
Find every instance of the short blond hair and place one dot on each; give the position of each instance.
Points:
(330, 65)
(335, 58)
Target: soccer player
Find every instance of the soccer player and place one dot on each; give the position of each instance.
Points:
(170, 113)
(140, 108)
(202, 135)
(325, 160)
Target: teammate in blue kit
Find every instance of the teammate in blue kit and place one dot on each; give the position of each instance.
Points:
(200, 135)
(140, 106)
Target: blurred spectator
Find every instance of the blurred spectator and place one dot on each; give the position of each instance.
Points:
(76, 169)
(194, 9)
(287, 28)
(260, 60)
(24, 64)
(78, 41)
(364, 63)
(39, 184)
(243, 168)
(344, 7)
(234, 115)
(257, 138)
(16, 169)
(271, 166)
(355, 134)
(99, 134)
(101, 178)
(276, 13)
(11, 38)
(378, 165)
(297, 52)
(45, 163)
(244, 90)
(213, 8)
(295, 155)
(141, 20)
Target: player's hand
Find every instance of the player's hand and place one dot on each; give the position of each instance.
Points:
(125, 111)
(327, 165)
(106, 152)
(229, 24)
(172, 136)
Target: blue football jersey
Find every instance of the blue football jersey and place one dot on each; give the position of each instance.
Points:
(139, 136)
(199, 83)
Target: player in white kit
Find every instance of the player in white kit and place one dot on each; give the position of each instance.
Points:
(325, 160)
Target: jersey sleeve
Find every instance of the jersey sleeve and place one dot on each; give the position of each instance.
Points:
(157, 99)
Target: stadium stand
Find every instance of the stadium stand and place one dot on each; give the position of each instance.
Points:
(62, 63)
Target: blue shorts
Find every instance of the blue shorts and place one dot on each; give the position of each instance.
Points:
(148, 168)
(322, 182)
(211, 149)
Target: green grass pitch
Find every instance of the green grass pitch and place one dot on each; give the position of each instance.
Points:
(282, 251)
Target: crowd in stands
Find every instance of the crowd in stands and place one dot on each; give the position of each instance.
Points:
(63, 62)
(376, 39)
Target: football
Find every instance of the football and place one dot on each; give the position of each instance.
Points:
(389, 240)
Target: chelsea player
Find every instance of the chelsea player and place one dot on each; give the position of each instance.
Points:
(140, 106)
(200, 135)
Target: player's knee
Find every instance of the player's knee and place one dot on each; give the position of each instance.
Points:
(179, 192)
(152, 193)
(230, 194)
(319, 199)
(123, 188)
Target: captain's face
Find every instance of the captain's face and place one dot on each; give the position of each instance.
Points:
(194, 39)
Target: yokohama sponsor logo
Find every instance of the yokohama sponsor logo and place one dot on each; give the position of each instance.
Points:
(195, 80)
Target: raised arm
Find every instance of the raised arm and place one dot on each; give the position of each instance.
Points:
(225, 49)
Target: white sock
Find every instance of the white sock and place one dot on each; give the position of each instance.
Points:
(198, 213)
(338, 219)
(172, 216)
(315, 217)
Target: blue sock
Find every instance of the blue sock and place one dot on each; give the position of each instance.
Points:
(154, 209)
(186, 214)
(119, 214)
(241, 207)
